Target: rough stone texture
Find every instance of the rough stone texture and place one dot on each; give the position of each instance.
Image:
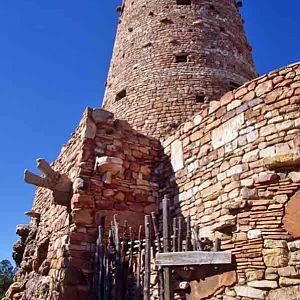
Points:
(230, 181)
(160, 93)
(232, 165)
(292, 216)
(58, 247)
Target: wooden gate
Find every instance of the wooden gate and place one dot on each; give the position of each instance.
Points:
(128, 267)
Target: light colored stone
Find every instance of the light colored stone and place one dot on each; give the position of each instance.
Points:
(273, 244)
(246, 291)
(254, 234)
(263, 284)
(290, 293)
(294, 176)
(263, 88)
(284, 281)
(177, 155)
(275, 257)
(294, 246)
(228, 131)
(289, 271)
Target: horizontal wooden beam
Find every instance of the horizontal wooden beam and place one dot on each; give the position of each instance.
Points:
(191, 258)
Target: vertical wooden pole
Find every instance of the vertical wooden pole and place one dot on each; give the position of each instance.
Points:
(174, 238)
(188, 244)
(159, 249)
(166, 248)
(139, 262)
(179, 246)
(147, 258)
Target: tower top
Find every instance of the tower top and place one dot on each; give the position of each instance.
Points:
(173, 56)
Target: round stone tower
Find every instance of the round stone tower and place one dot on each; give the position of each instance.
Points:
(173, 56)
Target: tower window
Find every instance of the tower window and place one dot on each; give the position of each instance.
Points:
(181, 57)
(200, 98)
(233, 85)
(121, 95)
(184, 2)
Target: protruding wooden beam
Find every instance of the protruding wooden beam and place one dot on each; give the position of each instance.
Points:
(192, 258)
(60, 184)
(36, 180)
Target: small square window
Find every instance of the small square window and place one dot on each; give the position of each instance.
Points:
(181, 57)
(200, 98)
(121, 95)
(184, 2)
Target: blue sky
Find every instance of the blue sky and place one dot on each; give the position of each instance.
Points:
(54, 57)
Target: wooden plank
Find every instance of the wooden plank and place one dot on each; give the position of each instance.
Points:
(168, 293)
(147, 259)
(193, 258)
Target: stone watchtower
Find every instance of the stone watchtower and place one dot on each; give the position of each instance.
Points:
(171, 57)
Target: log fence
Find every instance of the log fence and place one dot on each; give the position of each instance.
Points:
(128, 267)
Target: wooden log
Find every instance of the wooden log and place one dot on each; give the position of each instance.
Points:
(174, 237)
(139, 259)
(159, 249)
(147, 258)
(166, 246)
(179, 242)
(192, 258)
(118, 291)
(188, 244)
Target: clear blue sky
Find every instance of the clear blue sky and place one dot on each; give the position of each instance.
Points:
(54, 57)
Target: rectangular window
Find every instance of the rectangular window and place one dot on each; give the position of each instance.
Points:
(181, 57)
(121, 95)
(200, 98)
(184, 2)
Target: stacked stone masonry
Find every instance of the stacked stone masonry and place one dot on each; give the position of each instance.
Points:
(228, 159)
(112, 168)
(237, 174)
(171, 59)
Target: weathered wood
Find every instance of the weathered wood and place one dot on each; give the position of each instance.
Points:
(188, 245)
(166, 246)
(179, 242)
(174, 237)
(192, 258)
(139, 260)
(147, 258)
(160, 270)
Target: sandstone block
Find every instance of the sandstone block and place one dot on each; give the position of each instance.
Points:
(177, 155)
(263, 284)
(284, 281)
(264, 88)
(246, 291)
(275, 257)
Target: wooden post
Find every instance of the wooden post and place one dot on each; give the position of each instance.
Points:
(166, 248)
(139, 262)
(159, 248)
(179, 246)
(119, 294)
(188, 244)
(174, 237)
(147, 258)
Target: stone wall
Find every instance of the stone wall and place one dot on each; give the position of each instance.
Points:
(113, 171)
(170, 58)
(237, 174)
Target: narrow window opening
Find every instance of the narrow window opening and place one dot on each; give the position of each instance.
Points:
(233, 85)
(181, 57)
(184, 2)
(121, 95)
(200, 98)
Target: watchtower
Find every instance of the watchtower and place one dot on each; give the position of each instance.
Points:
(173, 56)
